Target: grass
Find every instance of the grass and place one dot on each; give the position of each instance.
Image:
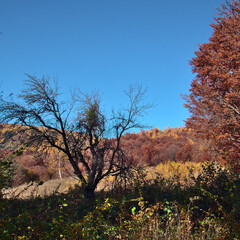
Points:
(48, 188)
(42, 189)
(202, 204)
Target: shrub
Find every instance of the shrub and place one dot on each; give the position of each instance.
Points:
(6, 171)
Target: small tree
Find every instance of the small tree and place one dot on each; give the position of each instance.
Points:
(6, 170)
(214, 99)
(90, 140)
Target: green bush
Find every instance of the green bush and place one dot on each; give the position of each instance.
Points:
(6, 171)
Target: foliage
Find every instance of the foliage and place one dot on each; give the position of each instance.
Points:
(6, 171)
(8, 167)
(204, 207)
(214, 99)
(171, 169)
(152, 147)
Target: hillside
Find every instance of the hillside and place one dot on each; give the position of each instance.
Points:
(150, 147)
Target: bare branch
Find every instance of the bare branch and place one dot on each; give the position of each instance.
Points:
(82, 141)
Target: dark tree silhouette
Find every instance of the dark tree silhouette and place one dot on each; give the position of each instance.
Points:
(90, 140)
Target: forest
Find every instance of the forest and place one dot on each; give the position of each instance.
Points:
(147, 148)
(90, 176)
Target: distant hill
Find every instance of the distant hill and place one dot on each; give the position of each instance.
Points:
(155, 146)
(149, 147)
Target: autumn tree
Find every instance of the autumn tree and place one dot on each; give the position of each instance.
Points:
(214, 99)
(90, 139)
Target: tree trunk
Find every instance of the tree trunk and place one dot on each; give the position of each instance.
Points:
(89, 194)
(87, 203)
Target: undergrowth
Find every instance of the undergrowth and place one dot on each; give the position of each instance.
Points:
(206, 206)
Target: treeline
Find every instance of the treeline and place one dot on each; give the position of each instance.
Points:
(172, 144)
(30, 164)
(149, 147)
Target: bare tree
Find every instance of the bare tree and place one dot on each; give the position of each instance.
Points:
(90, 140)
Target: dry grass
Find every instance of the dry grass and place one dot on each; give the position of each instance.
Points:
(34, 189)
(63, 185)
(56, 186)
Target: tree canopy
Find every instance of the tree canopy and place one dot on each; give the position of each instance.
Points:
(214, 99)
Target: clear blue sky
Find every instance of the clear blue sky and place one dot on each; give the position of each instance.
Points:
(106, 45)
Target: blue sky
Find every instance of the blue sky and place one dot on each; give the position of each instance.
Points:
(107, 45)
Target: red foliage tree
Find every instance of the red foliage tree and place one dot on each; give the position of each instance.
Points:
(148, 153)
(214, 99)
